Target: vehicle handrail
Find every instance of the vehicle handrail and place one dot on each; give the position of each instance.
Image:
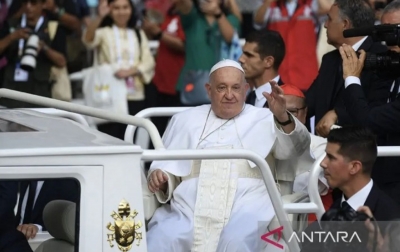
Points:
(315, 205)
(85, 110)
(149, 112)
(266, 172)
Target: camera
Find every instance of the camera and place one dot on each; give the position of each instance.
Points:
(348, 222)
(28, 60)
(387, 63)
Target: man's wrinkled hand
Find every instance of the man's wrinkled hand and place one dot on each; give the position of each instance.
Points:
(276, 101)
(324, 125)
(352, 65)
(158, 180)
(29, 230)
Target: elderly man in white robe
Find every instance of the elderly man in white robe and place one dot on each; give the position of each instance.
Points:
(220, 205)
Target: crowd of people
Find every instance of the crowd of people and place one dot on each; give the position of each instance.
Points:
(296, 90)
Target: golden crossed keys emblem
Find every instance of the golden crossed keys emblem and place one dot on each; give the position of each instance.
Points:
(124, 230)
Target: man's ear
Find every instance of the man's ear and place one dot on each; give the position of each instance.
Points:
(208, 88)
(269, 62)
(346, 24)
(355, 167)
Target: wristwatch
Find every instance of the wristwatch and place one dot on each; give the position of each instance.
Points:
(289, 121)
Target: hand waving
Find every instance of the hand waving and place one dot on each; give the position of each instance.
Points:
(103, 9)
(276, 101)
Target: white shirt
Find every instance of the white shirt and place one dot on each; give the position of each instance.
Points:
(358, 199)
(25, 201)
(352, 79)
(260, 99)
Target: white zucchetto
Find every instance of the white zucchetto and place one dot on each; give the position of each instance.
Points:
(226, 63)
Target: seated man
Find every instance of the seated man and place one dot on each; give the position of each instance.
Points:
(220, 205)
(11, 240)
(350, 156)
(293, 174)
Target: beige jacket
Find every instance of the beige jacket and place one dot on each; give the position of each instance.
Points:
(107, 53)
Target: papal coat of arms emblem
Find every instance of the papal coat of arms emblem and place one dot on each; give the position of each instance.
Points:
(124, 230)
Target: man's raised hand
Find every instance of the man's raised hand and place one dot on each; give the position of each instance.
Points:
(276, 101)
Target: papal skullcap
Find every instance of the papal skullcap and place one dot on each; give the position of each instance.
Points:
(226, 63)
(292, 90)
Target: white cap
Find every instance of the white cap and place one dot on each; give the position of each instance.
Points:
(226, 63)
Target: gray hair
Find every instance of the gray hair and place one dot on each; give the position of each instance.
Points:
(358, 12)
(392, 7)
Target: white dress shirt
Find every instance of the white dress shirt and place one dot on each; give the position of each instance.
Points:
(353, 79)
(358, 199)
(25, 201)
(260, 99)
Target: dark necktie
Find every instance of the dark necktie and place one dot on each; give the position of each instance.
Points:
(29, 204)
(395, 91)
(345, 207)
(251, 98)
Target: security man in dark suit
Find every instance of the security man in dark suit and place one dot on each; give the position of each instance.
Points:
(384, 120)
(11, 240)
(350, 156)
(34, 196)
(325, 95)
(262, 55)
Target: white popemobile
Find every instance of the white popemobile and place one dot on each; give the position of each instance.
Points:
(114, 202)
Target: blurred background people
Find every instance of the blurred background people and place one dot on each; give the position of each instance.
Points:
(207, 26)
(119, 42)
(296, 22)
(170, 59)
(51, 51)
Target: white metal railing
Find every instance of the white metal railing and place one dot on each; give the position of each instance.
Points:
(161, 154)
(315, 205)
(89, 111)
(147, 113)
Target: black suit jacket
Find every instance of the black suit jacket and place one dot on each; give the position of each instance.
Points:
(384, 120)
(326, 92)
(382, 207)
(53, 189)
(12, 240)
(280, 83)
(8, 200)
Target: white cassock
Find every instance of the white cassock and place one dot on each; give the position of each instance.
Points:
(226, 206)
(317, 148)
(293, 174)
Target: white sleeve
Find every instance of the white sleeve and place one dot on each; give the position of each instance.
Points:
(351, 80)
